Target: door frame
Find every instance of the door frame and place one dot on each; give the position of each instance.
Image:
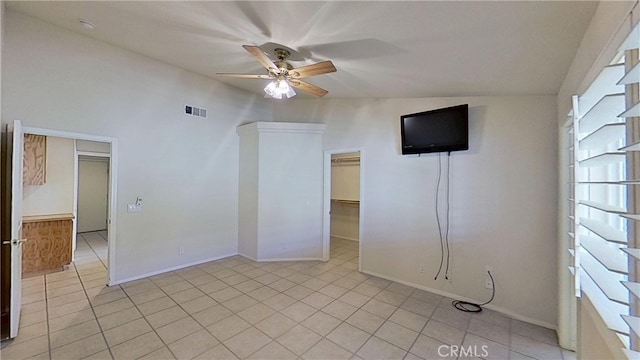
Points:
(113, 185)
(76, 182)
(326, 218)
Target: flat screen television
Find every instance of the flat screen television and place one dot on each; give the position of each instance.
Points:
(440, 130)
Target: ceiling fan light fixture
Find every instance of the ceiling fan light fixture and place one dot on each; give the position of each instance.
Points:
(279, 87)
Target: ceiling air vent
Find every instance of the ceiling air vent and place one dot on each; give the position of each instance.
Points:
(192, 110)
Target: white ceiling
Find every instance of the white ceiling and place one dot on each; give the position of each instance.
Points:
(381, 49)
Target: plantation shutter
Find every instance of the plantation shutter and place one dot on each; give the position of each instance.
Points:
(605, 203)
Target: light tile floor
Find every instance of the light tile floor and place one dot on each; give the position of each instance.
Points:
(237, 308)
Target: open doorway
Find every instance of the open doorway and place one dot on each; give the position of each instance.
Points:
(40, 165)
(92, 204)
(343, 206)
(104, 148)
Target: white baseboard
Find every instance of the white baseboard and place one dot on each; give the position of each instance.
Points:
(282, 259)
(499, 309)
(344, 237)
(248, 257)
(165, 270)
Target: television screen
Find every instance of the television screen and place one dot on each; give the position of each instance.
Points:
(440, 130)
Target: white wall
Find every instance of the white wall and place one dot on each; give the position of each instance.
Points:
(56, 195)
(185, 167)
(503, 196)
(248, 193)
(290, 206)
(280, 198)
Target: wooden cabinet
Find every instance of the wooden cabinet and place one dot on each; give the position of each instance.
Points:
(34, 170)
(49, 242)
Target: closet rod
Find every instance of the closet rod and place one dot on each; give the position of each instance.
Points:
(345, 160)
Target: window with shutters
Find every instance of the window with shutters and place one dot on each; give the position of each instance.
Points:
(604, 191)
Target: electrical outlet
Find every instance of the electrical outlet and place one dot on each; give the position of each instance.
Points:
(488, 283)
(181, 250)
(132, 208)
(421, 268)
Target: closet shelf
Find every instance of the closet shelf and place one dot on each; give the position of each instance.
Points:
(355, 160)
(346, 202)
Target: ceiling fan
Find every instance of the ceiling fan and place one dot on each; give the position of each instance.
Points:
(284, 75)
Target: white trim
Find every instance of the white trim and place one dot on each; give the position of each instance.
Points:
(74, 235)
(248, 257)
(278, 259)
(326, 217)
(289, 259)
(67, 134)
(93, 153)
(113, 184)
(499, 309)
(567, 302)
(171, 268)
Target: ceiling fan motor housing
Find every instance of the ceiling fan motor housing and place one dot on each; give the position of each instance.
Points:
(282, 56)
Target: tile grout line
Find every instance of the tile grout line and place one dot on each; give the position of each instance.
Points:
(189, 315)
(317, 310)
(314, 271)
(341, 321)
(92, 310)
(262, 302)
(46, 303)
(94, 251)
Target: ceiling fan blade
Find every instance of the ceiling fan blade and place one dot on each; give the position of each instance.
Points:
(245, 76)
(320, 68)
(311, 89)
(262, 58)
